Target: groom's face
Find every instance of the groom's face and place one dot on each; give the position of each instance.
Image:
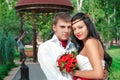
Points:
(62, 29)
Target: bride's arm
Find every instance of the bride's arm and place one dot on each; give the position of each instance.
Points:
(91, 47)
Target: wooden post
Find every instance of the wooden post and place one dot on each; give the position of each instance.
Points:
(34, 38)
(21, 23)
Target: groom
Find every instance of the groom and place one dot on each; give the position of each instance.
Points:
(49, 51)
(60, 43)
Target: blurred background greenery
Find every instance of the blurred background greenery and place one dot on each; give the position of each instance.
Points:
(104, 13)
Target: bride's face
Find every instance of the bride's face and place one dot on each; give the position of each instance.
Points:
(80, 29)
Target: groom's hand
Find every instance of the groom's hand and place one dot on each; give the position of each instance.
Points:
(105, 75)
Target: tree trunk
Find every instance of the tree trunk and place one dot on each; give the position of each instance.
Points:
(107, 45)
(79, 5)
(8, 3)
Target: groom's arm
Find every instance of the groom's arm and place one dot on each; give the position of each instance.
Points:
(48, 66)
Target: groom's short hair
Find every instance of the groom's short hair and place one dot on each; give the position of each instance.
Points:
(63, 16)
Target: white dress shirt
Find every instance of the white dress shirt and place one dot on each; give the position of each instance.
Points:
(48, 53)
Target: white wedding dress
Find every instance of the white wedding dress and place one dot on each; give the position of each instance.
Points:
(84, 63)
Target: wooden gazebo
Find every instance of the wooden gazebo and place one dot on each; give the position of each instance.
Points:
(40, 6)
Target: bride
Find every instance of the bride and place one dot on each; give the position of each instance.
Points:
(92, 58)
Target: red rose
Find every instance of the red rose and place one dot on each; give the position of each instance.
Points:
(68, 68)
(64, 58)
(67, 62)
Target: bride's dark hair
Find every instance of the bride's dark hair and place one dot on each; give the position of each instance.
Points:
(91, 33)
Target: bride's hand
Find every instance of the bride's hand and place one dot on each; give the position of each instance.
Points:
(74, 73)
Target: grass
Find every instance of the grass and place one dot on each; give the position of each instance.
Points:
(114, 52)
(28, 48)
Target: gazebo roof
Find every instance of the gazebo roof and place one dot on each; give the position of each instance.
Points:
(43, 5)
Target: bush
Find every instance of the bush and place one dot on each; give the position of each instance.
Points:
(10, 48)
(4, 69)
(2, 49)
(7, 52)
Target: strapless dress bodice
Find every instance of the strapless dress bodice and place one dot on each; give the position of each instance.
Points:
(84, 63)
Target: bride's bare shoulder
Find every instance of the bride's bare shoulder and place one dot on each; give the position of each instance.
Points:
(91, 42)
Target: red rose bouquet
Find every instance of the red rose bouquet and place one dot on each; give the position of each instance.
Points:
(67, 62)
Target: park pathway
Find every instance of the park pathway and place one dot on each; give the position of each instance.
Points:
(35, 72)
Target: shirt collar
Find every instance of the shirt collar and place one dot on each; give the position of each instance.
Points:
(55, 39)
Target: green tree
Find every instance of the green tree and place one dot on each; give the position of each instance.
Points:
(9, 20)
(2, 49)
(104, 13)
(42, 21)
(10, 48)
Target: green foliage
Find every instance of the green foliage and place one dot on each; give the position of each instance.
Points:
(2, 49)
(4, 69)
(114, 71)
(9, 20)
(10, 48)
(7, 48)
(42, 22)
(45, 25)
(102, 14)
